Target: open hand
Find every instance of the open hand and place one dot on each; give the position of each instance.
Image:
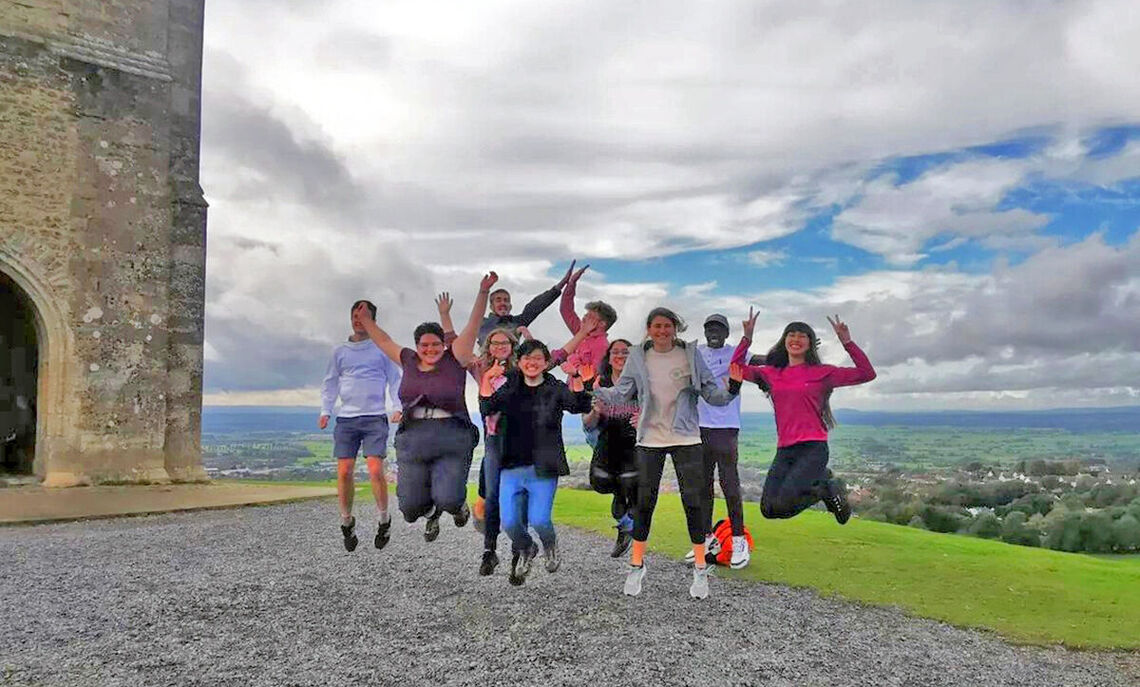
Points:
(750, 323)
(443, 302)
(362, 314)
(523, 333)
(397, 417)
(488, 281)
(566, 277)
(736, 372)
(586, 372)
(591, 322)
(841, 330)
(577, 275)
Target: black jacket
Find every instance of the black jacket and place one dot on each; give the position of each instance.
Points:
(544, 417)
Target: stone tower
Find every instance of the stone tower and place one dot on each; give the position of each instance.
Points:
(102, 240)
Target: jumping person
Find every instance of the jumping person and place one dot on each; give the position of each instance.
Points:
(800, 387)
(364, 379)
(499, 347)
(500, 315)
(667, 376)
(436, 439)
(720, 432)
(595, 346)
(613, 468)
(533, 457)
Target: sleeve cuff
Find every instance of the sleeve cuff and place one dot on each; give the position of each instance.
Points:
(733, 387)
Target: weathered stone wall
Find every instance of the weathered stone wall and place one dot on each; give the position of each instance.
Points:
(102, 223)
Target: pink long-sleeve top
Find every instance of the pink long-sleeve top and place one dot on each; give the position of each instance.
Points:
(798, 392)
(593, 347)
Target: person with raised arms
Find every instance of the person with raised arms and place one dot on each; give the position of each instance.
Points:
(364, 380)
(720, 432)
(595, 346)
(436, 439)
(531, 404)
(667, 376)
(799, 386)
(501, 316)
(498, 347)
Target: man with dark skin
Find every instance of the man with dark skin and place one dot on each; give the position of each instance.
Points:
(720, 430)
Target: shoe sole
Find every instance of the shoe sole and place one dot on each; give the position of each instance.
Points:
(738, 566)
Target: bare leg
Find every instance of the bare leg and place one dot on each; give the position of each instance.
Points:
(379, 484)
(345, 486)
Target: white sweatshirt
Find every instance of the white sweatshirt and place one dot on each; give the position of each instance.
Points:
(358, 372)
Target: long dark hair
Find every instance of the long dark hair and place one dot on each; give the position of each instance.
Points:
(606, 376)
(778, 357)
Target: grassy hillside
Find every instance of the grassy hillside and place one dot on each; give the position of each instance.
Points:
(1027, 595)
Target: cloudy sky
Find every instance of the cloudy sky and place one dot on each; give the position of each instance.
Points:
(958, 179)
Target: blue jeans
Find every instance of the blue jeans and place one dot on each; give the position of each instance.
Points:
(492, 457)
(524, 483)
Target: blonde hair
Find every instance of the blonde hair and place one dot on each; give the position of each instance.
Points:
(485, 350)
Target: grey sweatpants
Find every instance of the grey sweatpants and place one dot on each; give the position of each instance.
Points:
(432, 460)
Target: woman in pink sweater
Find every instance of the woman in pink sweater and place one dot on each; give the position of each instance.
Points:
(800, 387)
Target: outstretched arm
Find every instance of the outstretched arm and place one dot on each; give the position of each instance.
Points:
(443, 304)
(849, 376)
(709, 386)
(566, 306)
(379, 337)
(463, 348)
(751, 373)
(542, 301)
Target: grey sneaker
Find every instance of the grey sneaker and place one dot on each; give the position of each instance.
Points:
(553, 560)
(700, 587)
(633, 580)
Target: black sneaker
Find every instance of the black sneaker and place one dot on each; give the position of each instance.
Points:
(382, 535)
(622, 543)
(836, 500)
(462, 516)
(490, 561)
(514, 578)
(431, 529)
(350, 540)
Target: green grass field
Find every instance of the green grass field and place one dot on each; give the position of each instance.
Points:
(1027, 595)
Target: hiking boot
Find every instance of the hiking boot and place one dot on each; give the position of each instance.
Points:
(350, 540)
(699, 589)
(553, 560)
(622, 543)
(740, 553)
(836, 500)
(490, 561)
(712, 548)
(514, 578)
(431, 528)
(462, 516)
(382, 533)
(633, 580)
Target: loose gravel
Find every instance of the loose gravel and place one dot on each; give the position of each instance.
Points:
(268, 596)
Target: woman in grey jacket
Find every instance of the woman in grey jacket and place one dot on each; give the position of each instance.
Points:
(667, 376)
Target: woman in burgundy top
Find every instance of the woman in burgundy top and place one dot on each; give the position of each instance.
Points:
(436, 438)
(800, 387)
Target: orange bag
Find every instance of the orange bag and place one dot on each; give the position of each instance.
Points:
(722, 530)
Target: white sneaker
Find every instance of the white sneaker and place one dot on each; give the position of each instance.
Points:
(740, 553)
(633, 580)
(712, 546)
(700, 587)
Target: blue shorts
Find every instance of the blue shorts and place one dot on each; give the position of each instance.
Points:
(369, 432)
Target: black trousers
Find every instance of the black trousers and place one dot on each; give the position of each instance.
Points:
(689, 464)
(432, 461)
(796, 480)
(720, 456)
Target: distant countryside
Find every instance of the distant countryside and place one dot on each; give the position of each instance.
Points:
(1067, 480)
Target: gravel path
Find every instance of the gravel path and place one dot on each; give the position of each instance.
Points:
(267, 596)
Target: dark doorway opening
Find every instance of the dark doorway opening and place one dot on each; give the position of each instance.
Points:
(19, 364)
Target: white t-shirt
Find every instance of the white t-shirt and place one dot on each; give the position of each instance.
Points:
(669, 373)
(719, 417)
